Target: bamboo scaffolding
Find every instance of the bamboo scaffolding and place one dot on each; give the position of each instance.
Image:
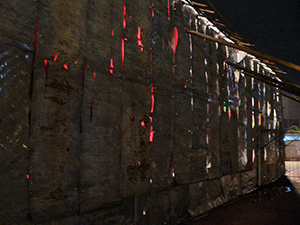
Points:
(228, 31)
(283, 85)
(218, 13)
(248, 50)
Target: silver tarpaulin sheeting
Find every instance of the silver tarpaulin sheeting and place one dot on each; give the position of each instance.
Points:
(112, 114)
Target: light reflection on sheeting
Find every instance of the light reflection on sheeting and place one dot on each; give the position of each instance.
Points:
(291, 138)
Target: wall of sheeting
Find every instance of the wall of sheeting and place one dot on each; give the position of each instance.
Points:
(112, 114)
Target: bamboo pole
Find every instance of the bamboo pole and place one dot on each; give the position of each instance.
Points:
(206, 10)
(290, 97)
(202, 5)
(259, 158)
(220, 24)
(248, 50)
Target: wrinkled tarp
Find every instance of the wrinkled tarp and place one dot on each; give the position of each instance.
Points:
(111, 113)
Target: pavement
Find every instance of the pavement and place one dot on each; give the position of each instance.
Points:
(293, 173)
(277, 203)
(294, 177)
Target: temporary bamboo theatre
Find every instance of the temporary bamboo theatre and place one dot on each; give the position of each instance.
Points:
(116, 112)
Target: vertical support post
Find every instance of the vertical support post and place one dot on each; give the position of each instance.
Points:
(259, 158)
(282, 144)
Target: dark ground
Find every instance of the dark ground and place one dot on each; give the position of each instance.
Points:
(276, 204)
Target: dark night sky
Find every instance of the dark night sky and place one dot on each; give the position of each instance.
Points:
(273, 26)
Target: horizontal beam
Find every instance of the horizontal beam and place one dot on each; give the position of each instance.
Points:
(290, 97)
(248, 50)
(285, 86)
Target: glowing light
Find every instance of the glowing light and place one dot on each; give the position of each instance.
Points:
(139, 39)
(169, 11)
(152, 106)
(55, 58)
(152, 98)
(174, 39)
(112, 33)
(124, 14)
(94, 75)
(152, 88)
(27, 175)
(259, 119)
(123, 52)
(111, 68)
(46, 66)
(140, 163)
(291, 138)
(75, 62)
(173, 172)
(151, 119)
(143, 124)
(66, 67)
(151, 134)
